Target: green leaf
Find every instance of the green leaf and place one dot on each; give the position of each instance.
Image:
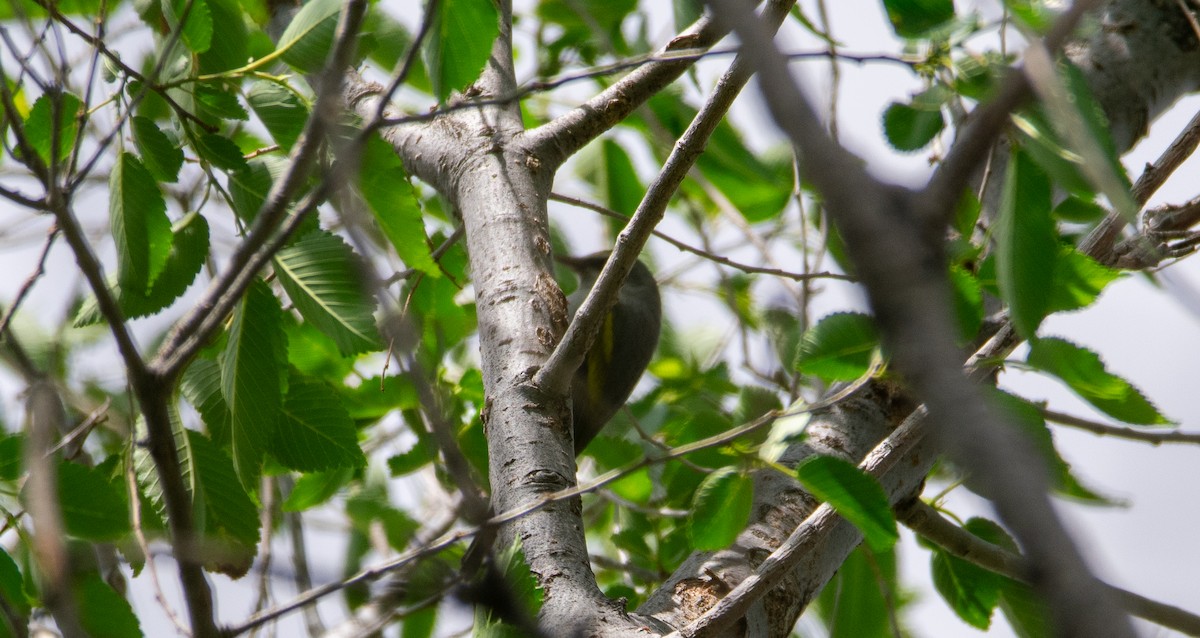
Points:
(968, 301)
(189, 249)
(221, 151)
(1025, 610)
(314, 488)
(201, 386)
(218, 102)
(459, 43)
(1084, 372)
(12, 450)
(252, 369)
(309, 37)
(1026, 245)
(1038, 138)
(915, 18)
(280, 110)
(523, 584)
(971, 591)
(12, 588)
(1028, 419)
(839, 347)
(197, 27)
(315, 433)
(40, 128)
(862, 599)
(855, 495)
(385, 41)
(147, 473)
(322, 280)
(1078, 118)
(392, 200)
(909, 128)
(1078, 280)
(758, 186)
(231, 49)
(1079, 210)
(160, 155)
(92, 508)
(415, 458)
(610, 172)
(140, 228)
(720, 509)
(103, 612)
(232, 520)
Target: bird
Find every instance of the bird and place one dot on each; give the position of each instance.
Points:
(622, 349)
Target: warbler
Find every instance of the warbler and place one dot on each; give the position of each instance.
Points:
(622, 349)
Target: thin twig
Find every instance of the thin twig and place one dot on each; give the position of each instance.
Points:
(1103, 429)
(932, 526)
(700, 252)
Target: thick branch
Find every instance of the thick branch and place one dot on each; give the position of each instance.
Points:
(904, 273)
(555, 376)
(934, 527)
(560, 138)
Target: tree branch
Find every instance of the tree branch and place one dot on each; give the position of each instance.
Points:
(555, 376)
(560, 138)
(194, 330)
(888, 237)
(932, 526)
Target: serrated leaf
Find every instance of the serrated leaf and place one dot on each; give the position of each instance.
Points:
(1068, 102)
(968, 301)
(221, 151)
(1078, 280)
(160, 155)
(971, 591)
(393, 202)
(92, 508)
(523, 584)
(1026, 245)
(855, 495)
(915, 18)
(459, 43)
(252, 369)
(720, 509)
(839, 347)
(197, 25)
(1084, 372)
(147, 473)
(217, 103)
(201, 386)
(189, 249)
(415, 458)
(232, 48)
(138, 219)
(232, 521)
(315, 433)
(314, 488)
(280, 110)
(1028, 419)
(40, 127)
(307, 40)
(320, 277)
(103, 612)
(908, 128)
